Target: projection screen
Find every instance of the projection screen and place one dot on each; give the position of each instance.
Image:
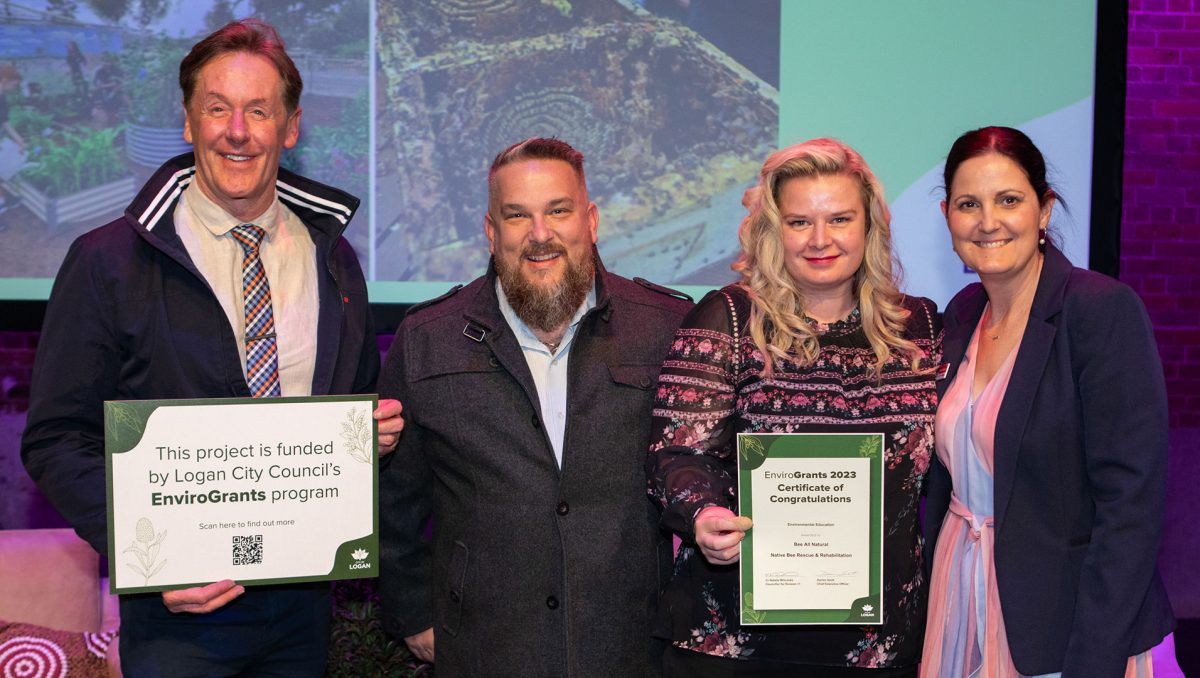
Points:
(675, 105)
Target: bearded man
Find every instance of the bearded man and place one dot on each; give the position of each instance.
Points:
(527, 399)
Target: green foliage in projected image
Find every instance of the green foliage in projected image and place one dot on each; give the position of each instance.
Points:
(337, 27)
(31, 123)
(336, 154)
(144, 12)
(74, 161)
(149, 73)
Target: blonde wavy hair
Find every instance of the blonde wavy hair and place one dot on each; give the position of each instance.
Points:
(777, 324)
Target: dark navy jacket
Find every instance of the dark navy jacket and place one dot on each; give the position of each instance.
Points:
(130, 317)
(1080, 474)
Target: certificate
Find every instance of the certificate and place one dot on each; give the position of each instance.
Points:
(257, 490)
(815, 553)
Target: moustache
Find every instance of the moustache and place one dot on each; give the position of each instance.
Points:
(539, 249)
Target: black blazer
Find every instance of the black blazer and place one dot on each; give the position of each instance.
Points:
(1080, 475)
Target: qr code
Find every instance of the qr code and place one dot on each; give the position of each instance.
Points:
(248, 550)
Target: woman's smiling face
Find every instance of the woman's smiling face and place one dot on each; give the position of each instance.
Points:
(995, 216)
(824, 225)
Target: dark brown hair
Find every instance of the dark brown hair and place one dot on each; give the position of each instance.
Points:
(253, 36)
(536, 148)
(1012, 144)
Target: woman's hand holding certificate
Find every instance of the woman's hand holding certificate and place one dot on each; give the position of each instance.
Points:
(719, 534)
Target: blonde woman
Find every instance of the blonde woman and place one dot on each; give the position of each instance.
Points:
(815, 337)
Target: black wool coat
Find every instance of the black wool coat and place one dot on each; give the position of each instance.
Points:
(532, 570)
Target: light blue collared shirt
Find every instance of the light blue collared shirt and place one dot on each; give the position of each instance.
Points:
(549, 371)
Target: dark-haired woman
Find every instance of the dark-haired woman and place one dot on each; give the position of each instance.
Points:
(1046, 498)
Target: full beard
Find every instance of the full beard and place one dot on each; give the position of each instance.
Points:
(547, 307)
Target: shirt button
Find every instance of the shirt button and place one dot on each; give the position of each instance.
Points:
(536, 423)
(552, 603)
(493, 362)
(563, 508)
(454, 596)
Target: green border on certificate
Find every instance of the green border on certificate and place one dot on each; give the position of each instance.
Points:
(815, 552)
(257, 490)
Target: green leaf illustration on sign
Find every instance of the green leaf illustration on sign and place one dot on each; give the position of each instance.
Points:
(124, 424)
(749, 614)
(869, 448)
(753, 452)
(356, 432)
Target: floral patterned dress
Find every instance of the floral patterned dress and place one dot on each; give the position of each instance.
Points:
(710, 389)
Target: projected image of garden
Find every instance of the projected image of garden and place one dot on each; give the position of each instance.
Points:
(674, 104)
(98, 107)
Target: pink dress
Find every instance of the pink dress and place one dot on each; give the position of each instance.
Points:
(965, 635)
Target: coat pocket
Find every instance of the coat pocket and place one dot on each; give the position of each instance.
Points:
(456, 581)
(644, 377)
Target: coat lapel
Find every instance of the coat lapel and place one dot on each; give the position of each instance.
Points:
(958, 333)
(485, 321)
(1027, 374)
(486, 324)
(588, 355)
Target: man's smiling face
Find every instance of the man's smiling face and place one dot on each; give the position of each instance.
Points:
(238, 124)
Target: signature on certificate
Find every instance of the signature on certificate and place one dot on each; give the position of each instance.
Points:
(835, 576)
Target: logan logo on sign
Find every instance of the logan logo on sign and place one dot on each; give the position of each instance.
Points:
(360, 556)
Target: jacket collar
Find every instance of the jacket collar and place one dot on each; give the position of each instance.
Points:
(1048, 299)
(324, 211)
(1051, 290)
(484, 307)
(486, 325)
(322, 208)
